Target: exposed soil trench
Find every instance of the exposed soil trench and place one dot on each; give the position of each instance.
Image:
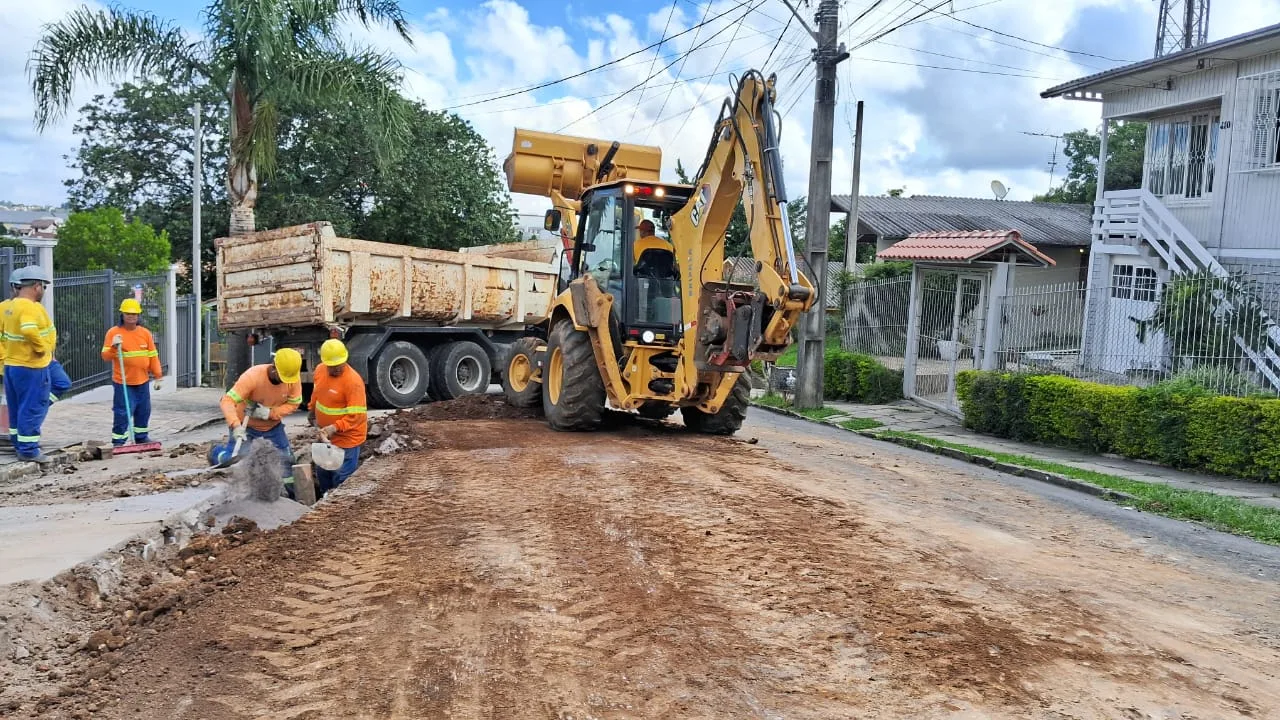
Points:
(506, 571)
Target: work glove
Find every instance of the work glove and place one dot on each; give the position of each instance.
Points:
(328, 431)
(240, 433)
(157, 385)
(261, 412)
(118, 340)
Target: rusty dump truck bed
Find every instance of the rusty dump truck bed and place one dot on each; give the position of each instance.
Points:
(307, 276)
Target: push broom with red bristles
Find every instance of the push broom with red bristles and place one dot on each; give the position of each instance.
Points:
(131, 447)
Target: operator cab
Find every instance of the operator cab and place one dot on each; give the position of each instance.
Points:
(624, 243)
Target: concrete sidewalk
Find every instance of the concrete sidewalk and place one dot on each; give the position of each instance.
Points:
(909, 417)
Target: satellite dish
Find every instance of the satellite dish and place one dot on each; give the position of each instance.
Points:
(999, 189)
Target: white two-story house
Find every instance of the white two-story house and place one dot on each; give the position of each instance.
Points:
(1209, 202)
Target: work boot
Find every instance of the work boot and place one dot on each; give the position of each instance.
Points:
(39, 458)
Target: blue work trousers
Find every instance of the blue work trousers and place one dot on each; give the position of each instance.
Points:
(330, 479)
(139, 405)
(26, 390)
(59, 381)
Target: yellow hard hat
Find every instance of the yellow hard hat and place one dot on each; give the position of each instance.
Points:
(289, 364)
(131, 306)
(333, 352)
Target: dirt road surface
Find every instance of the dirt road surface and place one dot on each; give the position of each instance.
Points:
(506, 571)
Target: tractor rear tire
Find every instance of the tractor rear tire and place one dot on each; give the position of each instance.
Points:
(518, 385)
(572, 390)
(729, 420)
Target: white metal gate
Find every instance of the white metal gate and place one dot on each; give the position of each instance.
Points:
(951, 330)
(1129, 302)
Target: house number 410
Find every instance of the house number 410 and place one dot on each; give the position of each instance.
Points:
(1224, 125)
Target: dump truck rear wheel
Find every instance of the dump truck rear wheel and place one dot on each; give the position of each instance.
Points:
(518, 385)
(459, 368)
(572, 389)
(729, 420)
(401, 376)
(656, 410)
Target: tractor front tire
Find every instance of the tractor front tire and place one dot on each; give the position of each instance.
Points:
(518, 385)
(729, 420)
(572, 389)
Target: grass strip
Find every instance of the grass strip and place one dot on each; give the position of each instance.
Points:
(1220, 512)
(821, 413)
(861, 424)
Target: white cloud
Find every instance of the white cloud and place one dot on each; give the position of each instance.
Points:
(931, 130)
(33, 167)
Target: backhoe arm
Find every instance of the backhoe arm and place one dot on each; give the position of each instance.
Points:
(731, 323)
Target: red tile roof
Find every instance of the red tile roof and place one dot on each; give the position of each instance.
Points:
(961, 247)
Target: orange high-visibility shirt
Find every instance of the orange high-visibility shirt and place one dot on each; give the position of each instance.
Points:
(340, 401)
(141, 358)
(255, 386)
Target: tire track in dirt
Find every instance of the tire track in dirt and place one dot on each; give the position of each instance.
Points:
(519, 573)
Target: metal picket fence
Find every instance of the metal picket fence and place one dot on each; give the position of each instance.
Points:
(85, 307)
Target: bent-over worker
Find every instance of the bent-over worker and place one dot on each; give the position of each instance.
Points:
(338, 406)
(261, 398)
(29, 341)
(141, 363)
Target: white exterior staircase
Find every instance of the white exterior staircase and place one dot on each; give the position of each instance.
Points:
(1138, 218)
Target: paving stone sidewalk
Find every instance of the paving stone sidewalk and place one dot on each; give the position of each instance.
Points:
(87, 416)
(909, 417)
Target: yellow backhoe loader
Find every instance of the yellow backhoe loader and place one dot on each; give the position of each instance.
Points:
(648, 314)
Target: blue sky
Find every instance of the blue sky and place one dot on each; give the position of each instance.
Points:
(928, 129)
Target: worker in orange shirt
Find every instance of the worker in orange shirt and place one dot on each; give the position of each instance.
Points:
(141, 363)
(261, 398)
(338, 409)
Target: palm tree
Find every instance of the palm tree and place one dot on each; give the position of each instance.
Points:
(268, 54)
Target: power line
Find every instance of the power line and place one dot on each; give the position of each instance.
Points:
(1022, 39)
(683, 60)
(666, 67)
(670, 13)
(601, 66)
(716, 69)
(899, 26)
(956, 57)
(775, 45)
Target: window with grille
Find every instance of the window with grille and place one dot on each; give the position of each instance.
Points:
(1132, 282)
(1258, 98)
(1180, 155)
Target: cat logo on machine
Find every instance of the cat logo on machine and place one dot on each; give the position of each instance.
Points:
(704, 196)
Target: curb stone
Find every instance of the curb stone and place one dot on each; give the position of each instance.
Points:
(1063, 481)
(23, 468)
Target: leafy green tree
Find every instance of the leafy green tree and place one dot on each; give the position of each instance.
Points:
(101, 239)
(267, 55)
(1125, 147)
(895, 192)
(444, 191)
(134, 153)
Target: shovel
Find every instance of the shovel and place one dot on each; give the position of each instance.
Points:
(132, 446)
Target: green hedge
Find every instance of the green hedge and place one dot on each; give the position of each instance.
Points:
(859, 378)
(1168, 423)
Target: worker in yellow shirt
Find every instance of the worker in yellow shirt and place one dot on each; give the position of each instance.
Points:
(29, 341)
(647, 240)
(59, 381)
(261, 398)
(137, 346)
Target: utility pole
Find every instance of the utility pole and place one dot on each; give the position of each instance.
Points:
(197, 266)
(813, 326)
(851, 231)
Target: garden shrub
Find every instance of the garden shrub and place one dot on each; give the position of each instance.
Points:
(859, 378)
(1178, 423)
